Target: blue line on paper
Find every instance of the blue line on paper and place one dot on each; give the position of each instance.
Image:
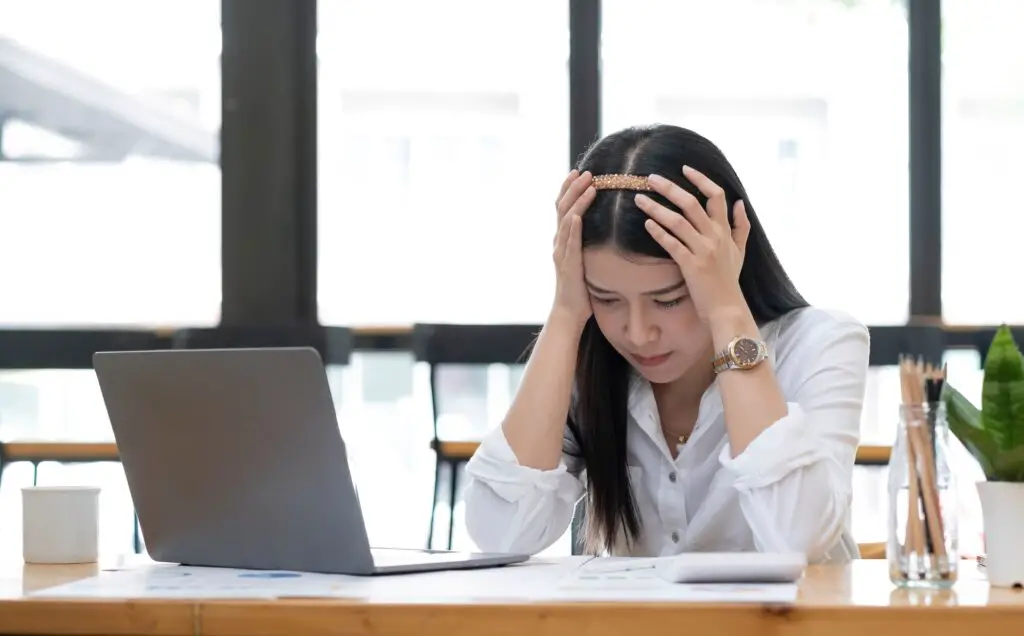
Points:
(269, 575)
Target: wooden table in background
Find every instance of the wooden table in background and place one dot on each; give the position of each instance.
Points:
(836, 600)
(59, 451)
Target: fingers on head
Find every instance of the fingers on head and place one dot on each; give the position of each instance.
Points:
(562, 237)
(577, 187)
(565, 184)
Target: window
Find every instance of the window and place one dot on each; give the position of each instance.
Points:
(109, 177)
(63, 405)
(983, 152)
(384, 410)
(443, 141)
(808, 100)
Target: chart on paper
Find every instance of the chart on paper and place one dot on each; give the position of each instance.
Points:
(644, 584)
(195, 582)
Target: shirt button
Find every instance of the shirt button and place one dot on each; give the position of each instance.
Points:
(672, 476)
(675, 537)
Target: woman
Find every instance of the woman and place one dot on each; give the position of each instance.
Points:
(680, 383)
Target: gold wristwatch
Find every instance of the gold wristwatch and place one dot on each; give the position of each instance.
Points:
(742, 353)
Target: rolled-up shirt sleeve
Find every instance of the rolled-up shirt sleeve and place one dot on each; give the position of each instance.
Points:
(515, 508)
(795, 479)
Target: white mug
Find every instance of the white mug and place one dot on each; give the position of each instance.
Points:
(60, 524)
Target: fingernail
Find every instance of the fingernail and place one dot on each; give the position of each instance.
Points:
(640, 199)
(687, 169)
(591, 190)
(657, 178)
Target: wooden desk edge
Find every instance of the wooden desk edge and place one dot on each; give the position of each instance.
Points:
(99, 616)
(370, 331)
(873, 455)
(867, 455)
(312, 617)
(15, 451)
(107, 451)
(158, 617)
(318, 616)
(462, 450)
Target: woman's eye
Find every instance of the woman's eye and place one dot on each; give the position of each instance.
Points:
(668, 304)
(603, 301)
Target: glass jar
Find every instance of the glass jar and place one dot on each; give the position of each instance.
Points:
(922, 540)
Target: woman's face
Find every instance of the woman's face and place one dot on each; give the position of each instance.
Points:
(644, 310)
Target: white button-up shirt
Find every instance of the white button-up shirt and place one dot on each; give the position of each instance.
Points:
(789, 490)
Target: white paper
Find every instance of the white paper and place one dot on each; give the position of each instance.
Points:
(168, 581)
(643, 584)
(538, 580)
(11, 588)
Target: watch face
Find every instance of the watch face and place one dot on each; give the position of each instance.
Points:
(745, 352)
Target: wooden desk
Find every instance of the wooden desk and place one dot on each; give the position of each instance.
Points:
(381, 330)
(15, 451)
(72, 452)
(38, 452)
(835, 600)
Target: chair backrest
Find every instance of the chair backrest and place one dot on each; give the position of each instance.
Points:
(455, 344)
(69, 348)
(334, 344)
(472, 344)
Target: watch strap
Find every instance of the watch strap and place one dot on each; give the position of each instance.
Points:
(725, 360)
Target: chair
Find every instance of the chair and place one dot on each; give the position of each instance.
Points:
(451, 344)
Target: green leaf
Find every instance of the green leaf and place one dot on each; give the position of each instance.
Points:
(1002, 391)
(964, 421)
(1009, 466)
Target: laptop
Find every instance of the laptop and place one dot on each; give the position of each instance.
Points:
(234, 458)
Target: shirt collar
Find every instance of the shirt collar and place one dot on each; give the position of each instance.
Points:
(644, 409)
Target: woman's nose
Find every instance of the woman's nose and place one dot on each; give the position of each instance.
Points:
(639, 331)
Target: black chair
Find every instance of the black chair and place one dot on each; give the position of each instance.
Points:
(450, 344)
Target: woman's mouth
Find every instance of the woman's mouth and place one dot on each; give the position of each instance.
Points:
(651, 361)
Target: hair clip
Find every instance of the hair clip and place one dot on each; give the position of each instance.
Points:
(620, 182)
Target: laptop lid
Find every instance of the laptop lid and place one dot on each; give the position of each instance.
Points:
(234, 458)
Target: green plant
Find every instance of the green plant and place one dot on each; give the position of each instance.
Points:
(994, 435)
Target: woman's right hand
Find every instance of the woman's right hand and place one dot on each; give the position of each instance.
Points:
(571, 297)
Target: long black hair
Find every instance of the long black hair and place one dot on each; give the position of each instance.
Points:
(598, 417)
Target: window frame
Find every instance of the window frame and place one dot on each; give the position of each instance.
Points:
(269, 191)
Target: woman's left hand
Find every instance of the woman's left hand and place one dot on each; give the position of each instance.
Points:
(708, 251)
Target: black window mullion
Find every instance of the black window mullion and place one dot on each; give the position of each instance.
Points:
(584, 76)
(269, 163)
(925, 112)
